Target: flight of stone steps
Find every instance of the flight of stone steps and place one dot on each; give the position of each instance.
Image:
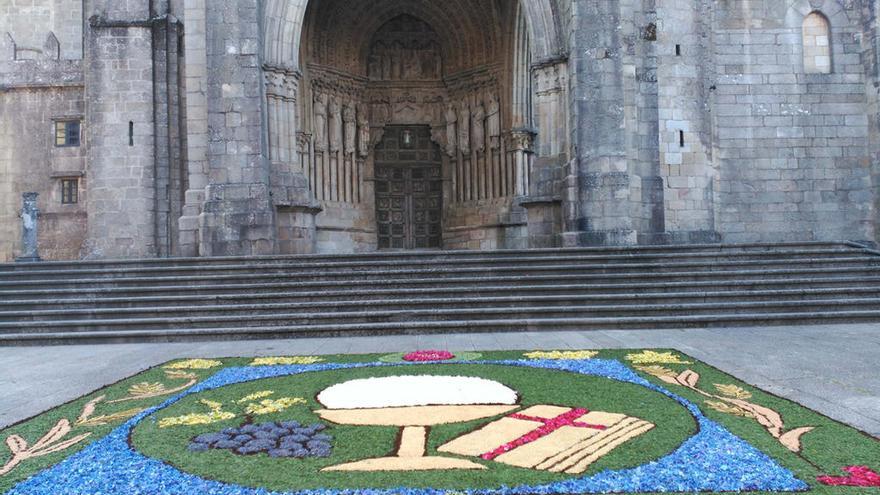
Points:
(424, 292)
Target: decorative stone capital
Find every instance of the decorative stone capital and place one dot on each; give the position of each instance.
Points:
(521, 140)
(281, 83)
(550, 77)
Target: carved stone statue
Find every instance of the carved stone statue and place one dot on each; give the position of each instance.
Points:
(349, 118)
(335, 118)
(451, 136)
(320, 122)
(29, 214)
(464, 129)
(374, 65)
(363, 122)
(478, 133)
(493, 123)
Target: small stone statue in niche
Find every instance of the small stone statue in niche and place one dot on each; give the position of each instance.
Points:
(335, 125)
(320, 122)
(493, 123)
(348, 117)
(464, 128)
(363, 122)
(451, 136)
(29, 215)
(478, 134)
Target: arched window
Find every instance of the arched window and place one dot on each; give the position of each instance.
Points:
(817, 44)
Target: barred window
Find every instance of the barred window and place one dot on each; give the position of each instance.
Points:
(67, 133)
(69, 191)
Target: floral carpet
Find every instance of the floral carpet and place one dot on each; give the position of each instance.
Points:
(436, 422)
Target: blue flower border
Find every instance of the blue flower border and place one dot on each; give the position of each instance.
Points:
(713, 460)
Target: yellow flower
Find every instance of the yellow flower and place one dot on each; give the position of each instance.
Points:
(733, 391)
(196, 419)
(729, 409)
(215, 416)
(214, 406)
(145, 389)
(271, 406)
(561, 354)
(193, 364)
(658, 371)
(276, 361)
(255, 396)
(109, 418)
(653, 357)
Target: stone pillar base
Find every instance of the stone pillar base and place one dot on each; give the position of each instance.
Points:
(188, 224)
(544, 216)
(297, 233)
(237, 220)
(680, 237)
(622, 237)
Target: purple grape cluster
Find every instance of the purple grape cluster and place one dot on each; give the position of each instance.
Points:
(278, 439)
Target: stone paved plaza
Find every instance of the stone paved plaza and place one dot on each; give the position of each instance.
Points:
(832, 369)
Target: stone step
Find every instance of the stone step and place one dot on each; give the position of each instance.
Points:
(864, 265)
(428, 327)
(264, 319)
(495, 285)
(261, 285)
(295, 294)
(283, 296)
(813, 256)
(97, 310)
(680, 250)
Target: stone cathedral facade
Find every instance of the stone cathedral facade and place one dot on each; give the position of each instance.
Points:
(252, 127)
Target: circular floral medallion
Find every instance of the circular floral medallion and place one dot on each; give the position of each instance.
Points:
(381, 426)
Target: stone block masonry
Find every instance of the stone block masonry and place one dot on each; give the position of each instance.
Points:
(250, 126)
(793, 162)
(119, 92)
(238, 215)
(31, 162)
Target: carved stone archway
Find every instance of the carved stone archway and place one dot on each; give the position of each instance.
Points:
(493, 97)
(283, 28)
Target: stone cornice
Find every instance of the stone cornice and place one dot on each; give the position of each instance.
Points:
(38, 74)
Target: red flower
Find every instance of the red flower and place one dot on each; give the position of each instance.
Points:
(859, 476)
(423, 356)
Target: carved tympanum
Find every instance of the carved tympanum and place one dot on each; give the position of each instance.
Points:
(405, 49)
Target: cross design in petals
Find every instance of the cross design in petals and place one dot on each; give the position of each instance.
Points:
(549, 426)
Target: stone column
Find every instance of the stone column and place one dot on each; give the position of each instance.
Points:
(196, 82)
(120, 130)
(599, 179)
(29, 222)
(295, 209)
(521, 143)
(684, 62)
(238, 216)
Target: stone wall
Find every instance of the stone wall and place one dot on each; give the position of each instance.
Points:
(727, 135)
(120, 133)
(30, 161)
(792, 147)
(30, 22)
(618, 122)
(238, 215)
(871, 60)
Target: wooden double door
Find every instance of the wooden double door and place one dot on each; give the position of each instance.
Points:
(409, 189)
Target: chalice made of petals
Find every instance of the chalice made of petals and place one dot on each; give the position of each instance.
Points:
(413, 403)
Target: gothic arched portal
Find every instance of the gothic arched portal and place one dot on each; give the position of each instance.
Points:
(483, 82)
